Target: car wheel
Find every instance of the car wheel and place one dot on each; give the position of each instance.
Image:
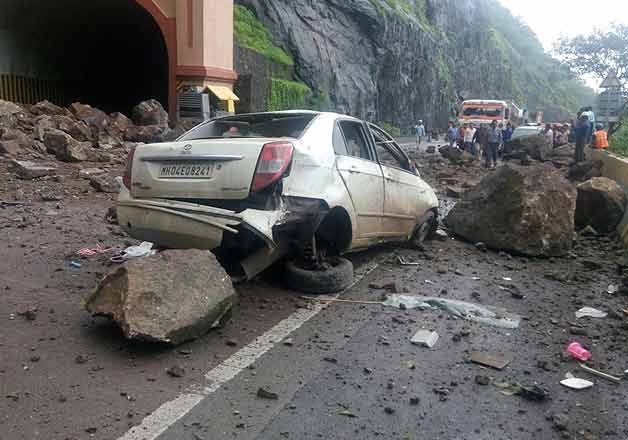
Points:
(335, 275)
(425, 229)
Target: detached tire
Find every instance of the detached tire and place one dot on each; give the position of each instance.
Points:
(335, 279)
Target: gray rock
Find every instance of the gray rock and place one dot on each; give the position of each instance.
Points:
(88, 173)
(601, 204)
(8, 108)
(47, 108)
(10, 148)
(527, 210)
(91, 116)
(563, 156)
(32, 170)
(65, 147)
(171, 297)
(583, 171)
(105, 183)
(150, 112)
(538, 147)
(147, 134)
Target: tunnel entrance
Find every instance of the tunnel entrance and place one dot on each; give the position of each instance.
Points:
(110, 54)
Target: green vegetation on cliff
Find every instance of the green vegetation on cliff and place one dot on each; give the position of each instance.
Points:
(251, 33)
(287, 95)
(619, 140)
(538, 80)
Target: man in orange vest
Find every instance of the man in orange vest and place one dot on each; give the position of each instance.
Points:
(600, 138)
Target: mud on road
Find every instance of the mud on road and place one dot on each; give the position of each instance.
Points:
(350, 373)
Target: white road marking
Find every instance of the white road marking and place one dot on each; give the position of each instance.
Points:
(170, 412)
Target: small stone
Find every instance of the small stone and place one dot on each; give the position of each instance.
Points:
(232, 343)
(578, 331)
(330, 360)
(414, 401)
(265, 394)
(481, 247)
(560, 421)
(80, 359)
(91, 430)
(176, 371)
(34, 358)
(389, 410)
(288, 342)
(482, 380)
(442, 270)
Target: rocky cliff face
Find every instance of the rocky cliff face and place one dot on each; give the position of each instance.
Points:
(398, 61)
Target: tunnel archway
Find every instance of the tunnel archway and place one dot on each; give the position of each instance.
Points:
(111, 54)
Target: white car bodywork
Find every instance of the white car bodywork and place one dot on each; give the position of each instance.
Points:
(381, 202)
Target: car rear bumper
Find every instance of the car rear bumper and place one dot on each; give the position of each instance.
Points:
(181, 225)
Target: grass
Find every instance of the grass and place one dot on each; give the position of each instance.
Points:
(619, 140)
(252, 34)
(287, 95)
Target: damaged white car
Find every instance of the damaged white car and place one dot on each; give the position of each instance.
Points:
(256, 188)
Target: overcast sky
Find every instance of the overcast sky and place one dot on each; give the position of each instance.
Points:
(551, 19)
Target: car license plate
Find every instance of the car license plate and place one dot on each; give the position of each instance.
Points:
(186, 171)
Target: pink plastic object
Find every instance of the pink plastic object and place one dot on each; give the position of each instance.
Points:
(578, 351)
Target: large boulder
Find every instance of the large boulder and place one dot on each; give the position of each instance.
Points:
(91, 116)
(525, 210)
(563, 156)
(171, 297)
(601, 204)
(537, 146)
(65, 147)
(583, 171)
(150, 112)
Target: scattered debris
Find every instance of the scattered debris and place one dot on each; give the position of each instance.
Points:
(469, 311)
(590, 312)
(425, 338)
(345, 413)
(265, 394)
(29, 313)
(578, 351)
(403, 262)
(176, 371)
(92, 252)
(496, 361)
(561, 421)
(600, 374)
(145, 249)
(28, 170)
(172, 297)
(612, 289)
(576, 384)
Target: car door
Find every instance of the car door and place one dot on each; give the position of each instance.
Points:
(404, 191)
(362, 175)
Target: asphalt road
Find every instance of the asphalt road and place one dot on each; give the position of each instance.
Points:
(348, 371)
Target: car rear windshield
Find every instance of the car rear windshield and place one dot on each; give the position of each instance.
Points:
(267, 125)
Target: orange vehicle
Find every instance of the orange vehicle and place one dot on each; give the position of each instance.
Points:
(481, 111)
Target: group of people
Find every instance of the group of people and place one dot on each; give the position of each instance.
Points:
(586, 131)
(486, 140)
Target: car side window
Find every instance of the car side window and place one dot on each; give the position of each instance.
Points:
(387, 150)
(340, 146)
(356, 143)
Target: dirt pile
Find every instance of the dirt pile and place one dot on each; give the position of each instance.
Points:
(601, 204)
(171, 297)
(526, 210)
(79, 133)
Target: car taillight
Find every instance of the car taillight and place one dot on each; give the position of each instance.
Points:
(273, 162)
(128, 172)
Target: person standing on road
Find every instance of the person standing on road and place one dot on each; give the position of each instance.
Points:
(452, 134)
(507, 133)
(420, 133)
(481, 139)
(589, 113)
(494, 140)
(600, 138)
(582, 134)
(549, 134)
(469, 145)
